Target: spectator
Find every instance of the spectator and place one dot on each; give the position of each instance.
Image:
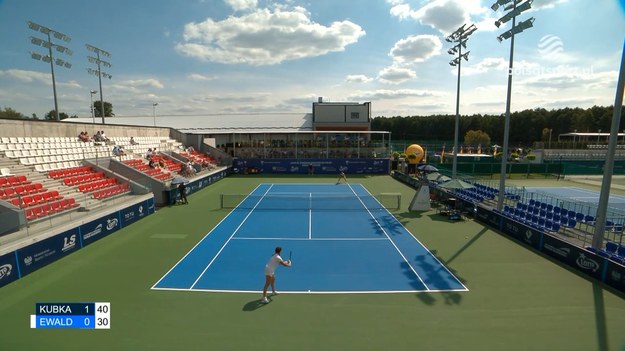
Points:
(103, 137)
(152, 163)
(132, 141)
(149, 153)
(97, 137)
(161, 163)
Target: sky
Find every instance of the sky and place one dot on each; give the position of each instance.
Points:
(208, 57)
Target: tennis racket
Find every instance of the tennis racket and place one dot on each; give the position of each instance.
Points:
(290, 256)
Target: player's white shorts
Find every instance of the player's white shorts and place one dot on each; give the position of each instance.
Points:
(268, 271)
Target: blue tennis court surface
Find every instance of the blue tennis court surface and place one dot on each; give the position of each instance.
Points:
(342, 241)
(579, 194)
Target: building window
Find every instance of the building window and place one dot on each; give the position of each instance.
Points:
(355, 115)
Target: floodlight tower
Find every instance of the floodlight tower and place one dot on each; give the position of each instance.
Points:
(515, 8)
(459, 38)
(48, 44)
(99, 62)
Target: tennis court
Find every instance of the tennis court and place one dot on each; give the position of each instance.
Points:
(576, 194)
(341, 237)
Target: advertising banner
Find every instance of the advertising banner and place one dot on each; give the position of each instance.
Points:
(489, 218)
(615, 275)
(8, 269)
(96, 230)
(523, 233)
(576, 257)
(314, 166)
(133, 213)
(37, 255)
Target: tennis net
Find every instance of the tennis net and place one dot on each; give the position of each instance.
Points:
(311, 201)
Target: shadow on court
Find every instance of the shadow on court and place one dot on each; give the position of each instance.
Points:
(254, 305)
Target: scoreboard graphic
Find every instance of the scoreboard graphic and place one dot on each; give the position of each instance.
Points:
(82, 315)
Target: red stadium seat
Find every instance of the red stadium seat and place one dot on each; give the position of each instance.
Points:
(23, 180)
(9, 192)
(20, 190)
(38, 211)
(30, 215)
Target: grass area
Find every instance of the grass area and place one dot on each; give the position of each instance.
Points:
(517, 299)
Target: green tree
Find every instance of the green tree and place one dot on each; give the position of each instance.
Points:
(10, 113)
(108, 109)
(476, 137)
(51, 116)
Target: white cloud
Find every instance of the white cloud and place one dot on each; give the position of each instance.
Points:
(443, 15)
(266, 37)
(486, 65)
(388, 94)
(143, 83)
(416, 48)
(545, 4)
(27, 76)
(241, 5)
(358, 78)
(200, 77)
(396, 75)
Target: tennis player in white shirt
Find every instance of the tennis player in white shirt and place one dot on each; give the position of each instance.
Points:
(270, 269)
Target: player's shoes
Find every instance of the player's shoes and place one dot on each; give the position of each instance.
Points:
(264, 300)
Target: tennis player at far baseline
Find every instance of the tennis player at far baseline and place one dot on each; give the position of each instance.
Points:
(270, 269)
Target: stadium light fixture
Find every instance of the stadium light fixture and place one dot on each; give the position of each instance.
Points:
(49, 58)
(99, 63)
(459, 37)
(516, 7)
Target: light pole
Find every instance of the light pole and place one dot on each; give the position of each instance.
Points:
(49, 58)
(550, 130)
(598, 136)
(154, 112)
(459, 37)
(99, 62)
(515, 9)
(92, 92)
(608, 168)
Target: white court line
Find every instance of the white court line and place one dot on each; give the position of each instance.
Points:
(426, 249)
(200, 241)
(230, 238)
(389, 238)
(315, 239)
(328, 292)
(310, 216)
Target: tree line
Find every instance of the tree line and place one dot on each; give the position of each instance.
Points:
(526, 126)
(10, 113)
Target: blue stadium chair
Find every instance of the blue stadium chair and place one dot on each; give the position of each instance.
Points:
(564, 211)
(556, 217)
(549, 215)
(579, 216)
(621, 250)
(541, 222)
(543, 205)
(532, 202)
(611, 247)
(548, 225)
(555, 227)
(543, 213)
(571, 214)
(590, 220)
(571, 223)
(556, 209)
(549, 208)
